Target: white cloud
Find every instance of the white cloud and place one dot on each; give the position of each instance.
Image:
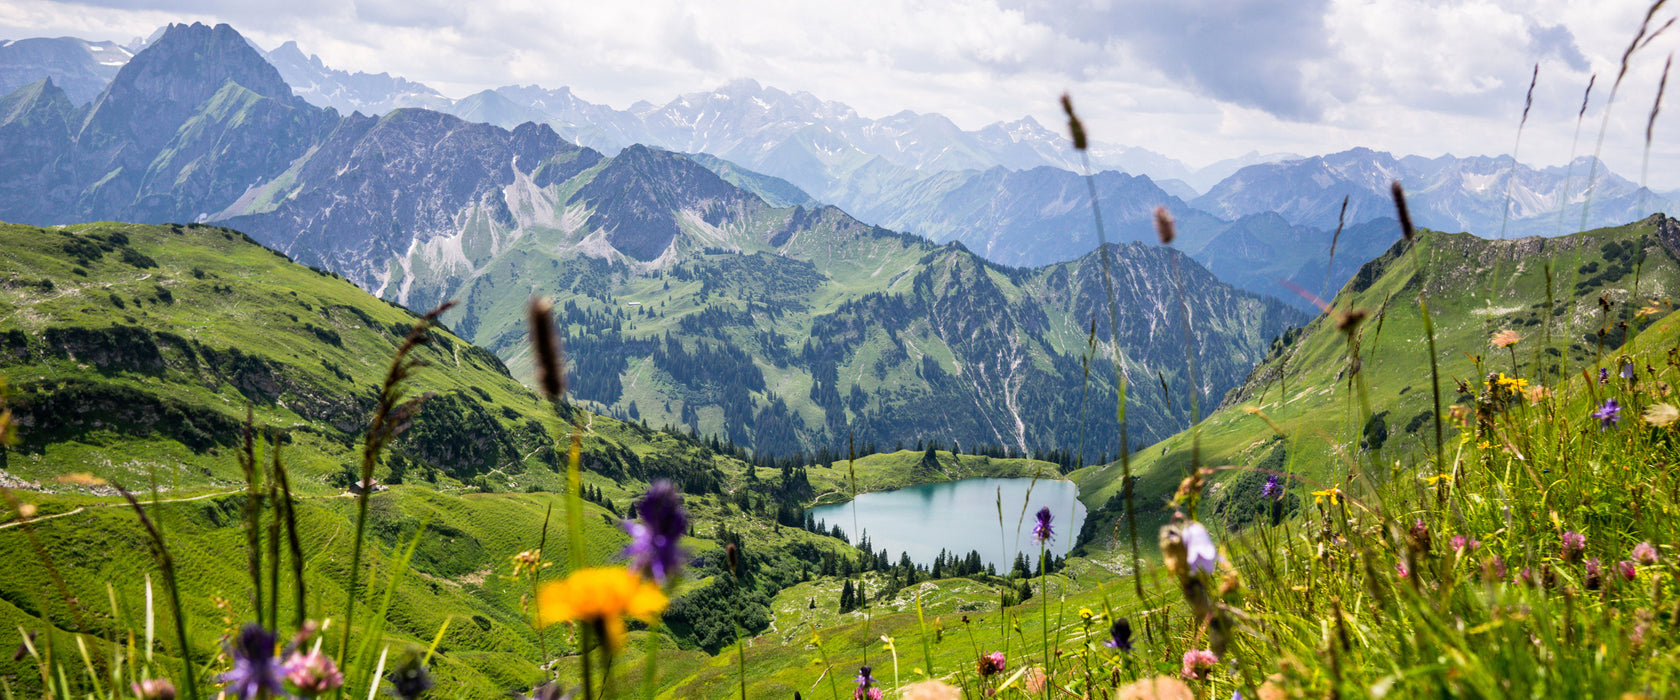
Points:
(1198, 80)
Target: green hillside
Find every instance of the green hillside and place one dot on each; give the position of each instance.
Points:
(1474, 288)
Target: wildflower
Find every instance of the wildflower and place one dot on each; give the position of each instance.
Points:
(1644, 553)
(313, 673)
(1627, 370)
(990, 664)
(1505, 338)
(1461, 544)
(932, 690)
(1595, 574)
(1436, 479)
(1496, 568)
(1086, 614)
(410, 678)
(1574, 544)
(154, 689)
(601, 596)
(1603, 375)
(1608, 414)
(1199, 548)
(1400, 568)
(1627, 569)
(1042, 531)
(1272, 489)
(866, 689)
(1119, 635)
(255, 669)
(1034, 680)
(528, 562)
(1197, 664)
(1418, 537)
(1661, 414)
(653, 546)
(1333, 493)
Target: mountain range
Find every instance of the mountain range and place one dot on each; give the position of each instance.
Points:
(1009, 190)
(689, 300)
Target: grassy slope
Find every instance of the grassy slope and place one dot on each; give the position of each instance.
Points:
(1473, 287)
(250, 298)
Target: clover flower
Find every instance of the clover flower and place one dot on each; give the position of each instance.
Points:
(313, 673)
(602, 596)
(1574, 545)
(1042, 531)
(1595, 574)
(255, 669)
(1627, 569)
(1197, 664)
(990, 664)
(1119, 635)
(1608, 414)
(1461, 544)
(653, 546)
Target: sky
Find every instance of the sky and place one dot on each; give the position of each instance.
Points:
(1196, 80)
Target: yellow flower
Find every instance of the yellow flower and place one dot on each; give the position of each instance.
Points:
(1484, 445)
(1086, 614)
(602, 596)
(1438, 478)
(1332, 493)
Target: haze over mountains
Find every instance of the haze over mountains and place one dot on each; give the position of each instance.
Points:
(689, 300)
(1009, 191)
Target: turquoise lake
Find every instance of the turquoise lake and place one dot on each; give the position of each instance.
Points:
(959, 517)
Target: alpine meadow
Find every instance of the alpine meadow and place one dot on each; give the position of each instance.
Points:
(321, 382)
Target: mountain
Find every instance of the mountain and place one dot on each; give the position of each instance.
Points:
(420, 206)
(80, 68)
(1262, 252)
(349, 92)
(1300, 410)
(1446, 193)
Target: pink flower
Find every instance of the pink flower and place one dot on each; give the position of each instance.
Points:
(1496, 568)
(1644, 553)
(1197, 663)
(313, 673)
(1460, 544)
(1574, 545)
(1627, 569)
(1400, 568)
(990, 664)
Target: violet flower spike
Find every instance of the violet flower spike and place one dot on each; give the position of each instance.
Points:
(1608, 414)
(1199, 548)
(653, 548)
(1119, 635)
(255, 669)
(1272, 489)
(1042, 531)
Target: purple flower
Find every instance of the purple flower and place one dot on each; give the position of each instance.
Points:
(1119, 635)
(1627, 371)
(1608, 414)
(1595, 574)
(866, 689)
(1199, 549)
(653, 546)
(1627, 569)
(1644, 553)
(1603, 375)
(255, 669)
(1042, 531)
(1272, 489)
(1496, 568)
(1574, 544)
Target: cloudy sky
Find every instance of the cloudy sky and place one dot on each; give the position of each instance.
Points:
(1197, 80)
